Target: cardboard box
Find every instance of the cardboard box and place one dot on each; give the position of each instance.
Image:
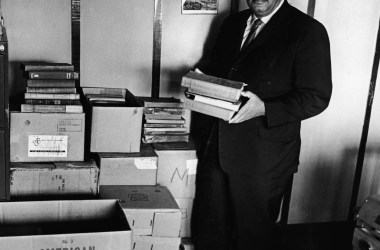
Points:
(156, 243)
(129, 168)
(44, 179)
(115, 128)
(79, 224)
(150, 210)
(177, 171)
(186, 206)
(46, 137)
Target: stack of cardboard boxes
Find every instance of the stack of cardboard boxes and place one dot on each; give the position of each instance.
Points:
(47, 149)
(155, 184)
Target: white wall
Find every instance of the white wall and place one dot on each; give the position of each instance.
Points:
(37, 30)
(117, 44)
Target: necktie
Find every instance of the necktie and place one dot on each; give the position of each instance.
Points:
(256, 24)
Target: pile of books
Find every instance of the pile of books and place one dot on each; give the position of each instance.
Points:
(50, 88)
(112, 96)
(211, 95)
(163, 120)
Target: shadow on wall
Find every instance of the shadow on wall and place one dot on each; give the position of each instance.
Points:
(322, 191)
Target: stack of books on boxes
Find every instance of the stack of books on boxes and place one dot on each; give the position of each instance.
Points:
(50, 88)
(211, 95)
(47, 137)
(164, 120)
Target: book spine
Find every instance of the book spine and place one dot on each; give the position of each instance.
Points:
(159, 125)
(53, 75)
(49, 68)
(167, 111)
(207, 109)
(46, 83)
(51, 90)
(51, 96)
(30, 108)
(165, 138)
(52, 102)
(162, 116)
(156, 131)
(211, 90)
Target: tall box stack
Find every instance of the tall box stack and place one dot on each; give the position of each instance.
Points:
(177, 167)
(152, 213)
(114, 120)
(47, 138)
(164, 120)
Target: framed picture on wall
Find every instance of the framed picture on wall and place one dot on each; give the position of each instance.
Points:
(199, 6)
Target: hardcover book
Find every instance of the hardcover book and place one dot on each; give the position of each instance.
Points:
(214, 101)
(162, 121)
(46, 66)
(162, 102)
(52, 101)
(38, 108)
(211, 86)
(167, 111)
(165, 138)
(208, 109)
(157, 131)
(162, 117)
(51, 83)
(51, 90)
(51, 96)
(53, 75)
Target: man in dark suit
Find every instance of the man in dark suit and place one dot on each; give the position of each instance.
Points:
(248, 161)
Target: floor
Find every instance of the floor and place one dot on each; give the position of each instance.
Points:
(320, 236)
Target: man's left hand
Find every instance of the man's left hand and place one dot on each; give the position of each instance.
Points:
(253, 107)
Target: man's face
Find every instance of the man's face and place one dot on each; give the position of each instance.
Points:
(263, 8)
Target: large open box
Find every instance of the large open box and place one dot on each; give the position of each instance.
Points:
(114, 127)
(177, 170)
(43, 137)
(129, 168)
(150, 210)
(76, 224)
(54, 178)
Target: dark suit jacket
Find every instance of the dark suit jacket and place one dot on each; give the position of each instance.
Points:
(288, 66)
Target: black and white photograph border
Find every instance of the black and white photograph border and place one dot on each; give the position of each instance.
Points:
(199, 6)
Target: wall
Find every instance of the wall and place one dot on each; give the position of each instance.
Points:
(37, 30)
(116, 46)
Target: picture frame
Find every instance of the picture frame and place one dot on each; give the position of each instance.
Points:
(190, 7)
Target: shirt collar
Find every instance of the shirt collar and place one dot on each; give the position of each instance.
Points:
(265, 19)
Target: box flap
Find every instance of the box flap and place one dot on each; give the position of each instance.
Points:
(140, 197)
(167, 224)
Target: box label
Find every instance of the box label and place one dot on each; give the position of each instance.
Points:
(69, 125)
(47, 145)
(191, 166)
(146, 163)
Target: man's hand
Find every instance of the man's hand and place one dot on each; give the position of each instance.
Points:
(253, 107)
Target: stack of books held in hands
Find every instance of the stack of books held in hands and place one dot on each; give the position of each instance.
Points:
(50, 88)
(211, 95)
(163, 120)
